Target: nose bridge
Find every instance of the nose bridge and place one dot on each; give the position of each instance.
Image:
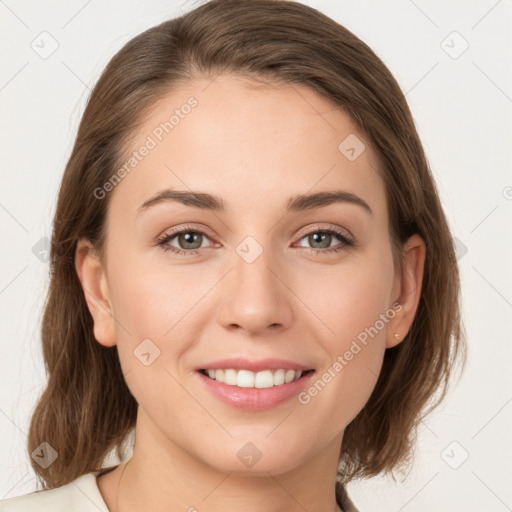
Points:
(254, 262)
(256, 298)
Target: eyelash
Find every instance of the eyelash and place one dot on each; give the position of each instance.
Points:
(167, 237)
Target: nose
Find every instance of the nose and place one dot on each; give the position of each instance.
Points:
(256, 296)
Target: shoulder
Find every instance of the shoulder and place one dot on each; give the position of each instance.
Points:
(81, 495)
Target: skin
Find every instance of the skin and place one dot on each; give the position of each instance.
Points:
(255, 147)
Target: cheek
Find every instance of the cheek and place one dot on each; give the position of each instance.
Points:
(152, 310)
(160, 303)
(352, 300)
(355, 312)
(151, 299)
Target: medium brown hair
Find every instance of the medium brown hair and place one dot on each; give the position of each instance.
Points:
(86, 409)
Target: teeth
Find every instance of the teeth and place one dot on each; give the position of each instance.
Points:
(248, 379)
(291, 375)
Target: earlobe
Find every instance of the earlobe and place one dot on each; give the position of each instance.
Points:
(414, 253)
(93, 279)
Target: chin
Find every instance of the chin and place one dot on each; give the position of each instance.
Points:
(253, 459)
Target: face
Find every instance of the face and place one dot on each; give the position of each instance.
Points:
(268, 276)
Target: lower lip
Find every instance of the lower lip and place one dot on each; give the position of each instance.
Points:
(255, 399)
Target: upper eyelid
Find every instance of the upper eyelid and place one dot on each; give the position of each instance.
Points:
(186, 229)
(339, 230)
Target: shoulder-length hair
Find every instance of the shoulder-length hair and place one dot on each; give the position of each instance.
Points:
(86, 410)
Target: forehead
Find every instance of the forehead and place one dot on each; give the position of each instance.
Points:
(248, 142)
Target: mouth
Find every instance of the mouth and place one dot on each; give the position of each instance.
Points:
(253, 384)
(248, 379)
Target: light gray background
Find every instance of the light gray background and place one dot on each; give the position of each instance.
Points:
(462, 104)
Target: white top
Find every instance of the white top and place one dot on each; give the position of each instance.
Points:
(83, 495)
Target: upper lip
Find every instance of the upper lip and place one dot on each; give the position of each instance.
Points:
(238, 363)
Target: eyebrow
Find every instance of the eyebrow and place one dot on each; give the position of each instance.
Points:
(298, 203)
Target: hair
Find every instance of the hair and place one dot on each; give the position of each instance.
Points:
(86, 410)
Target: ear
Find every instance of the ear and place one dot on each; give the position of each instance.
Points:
(93, 279)
(409, 286)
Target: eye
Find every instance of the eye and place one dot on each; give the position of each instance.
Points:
(321, 239)
(190, 239)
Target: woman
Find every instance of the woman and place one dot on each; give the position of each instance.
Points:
(251, 271)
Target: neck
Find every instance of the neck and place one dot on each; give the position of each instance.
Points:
(173, 478)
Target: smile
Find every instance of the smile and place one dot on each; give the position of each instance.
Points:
(249, 379)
